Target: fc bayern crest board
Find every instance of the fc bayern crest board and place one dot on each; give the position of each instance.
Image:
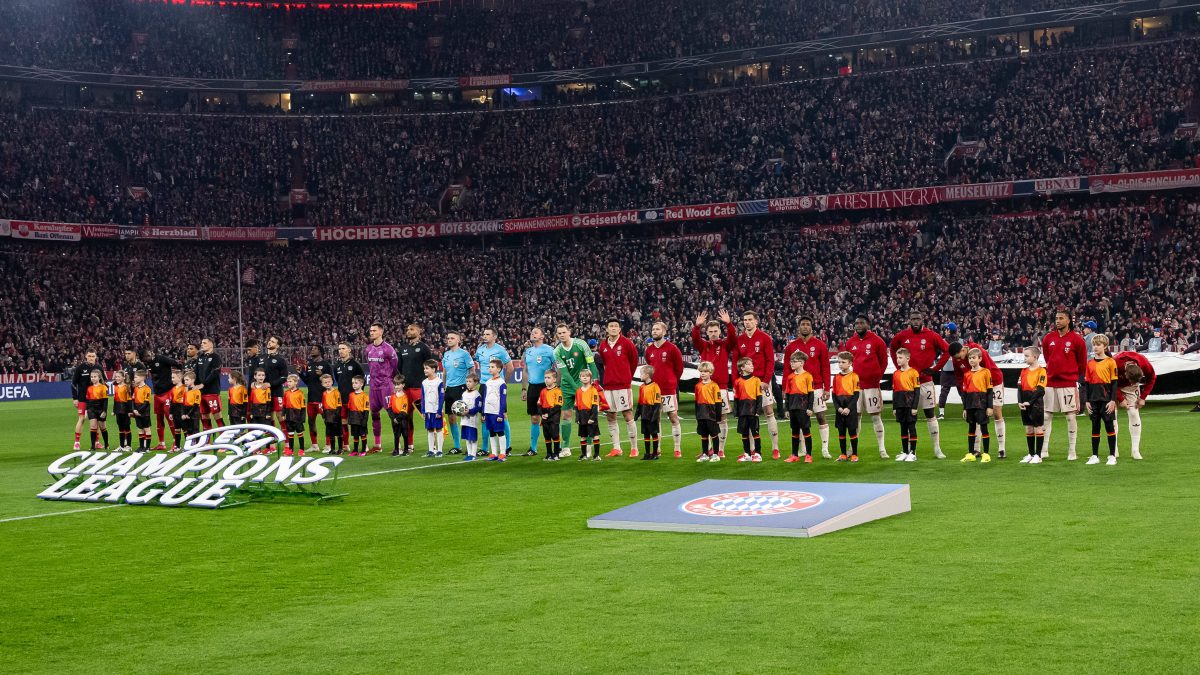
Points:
(765, 508)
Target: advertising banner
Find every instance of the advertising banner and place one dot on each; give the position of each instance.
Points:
(1146, 180)
(39, 231)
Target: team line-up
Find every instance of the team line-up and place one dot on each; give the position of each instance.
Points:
(563, 392)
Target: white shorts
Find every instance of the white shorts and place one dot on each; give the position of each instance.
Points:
(819, 404)
(870, 401)
(1062, 399)
(619, 400)
(997, 397)
(768, 395)
(726, 402)
(670, 403)
(927, 396)
(1130, 395)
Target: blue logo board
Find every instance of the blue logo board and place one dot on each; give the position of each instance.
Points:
(769, 508)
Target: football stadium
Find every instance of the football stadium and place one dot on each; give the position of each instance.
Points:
(429, 336)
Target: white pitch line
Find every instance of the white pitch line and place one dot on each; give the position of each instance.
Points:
(59, 513)
(410, 468)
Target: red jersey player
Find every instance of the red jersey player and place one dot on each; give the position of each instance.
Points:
(1135, 381)
(958, 352)
(716, 350)
(620, 363)
(870, 362)
(817, 365)
(928, 353)
(668, 368)
(1066, 359)
(757, 346)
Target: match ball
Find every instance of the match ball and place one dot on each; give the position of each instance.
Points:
(459, 408)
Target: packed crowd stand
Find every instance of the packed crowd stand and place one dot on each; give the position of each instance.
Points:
(147, 37)
(1132, 269)
(1070, 113)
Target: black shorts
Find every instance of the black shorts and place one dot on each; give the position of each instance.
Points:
(401, 420)
(708, 427)
(1033, 416)
(356, 418)
(650, 427)
(454, 395)
(747, 425)
(589, 430)
(551, 432)
(977, 415)
(142, 422)
(531, 400)
(97, 412)
(294, 417)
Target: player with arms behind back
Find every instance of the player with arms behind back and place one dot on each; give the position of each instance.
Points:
(928, 354)
(1066, 361)
(870, 362)
(817, 365)
(668, 368)
(620, 361)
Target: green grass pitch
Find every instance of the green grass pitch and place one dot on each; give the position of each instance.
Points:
(490, 568)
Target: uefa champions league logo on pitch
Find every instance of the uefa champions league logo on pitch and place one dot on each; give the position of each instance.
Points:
(752, 503)
(211, 465)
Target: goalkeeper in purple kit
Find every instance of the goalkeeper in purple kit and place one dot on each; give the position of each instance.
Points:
(381, 365)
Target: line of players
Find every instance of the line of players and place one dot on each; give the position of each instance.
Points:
(855, 391)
